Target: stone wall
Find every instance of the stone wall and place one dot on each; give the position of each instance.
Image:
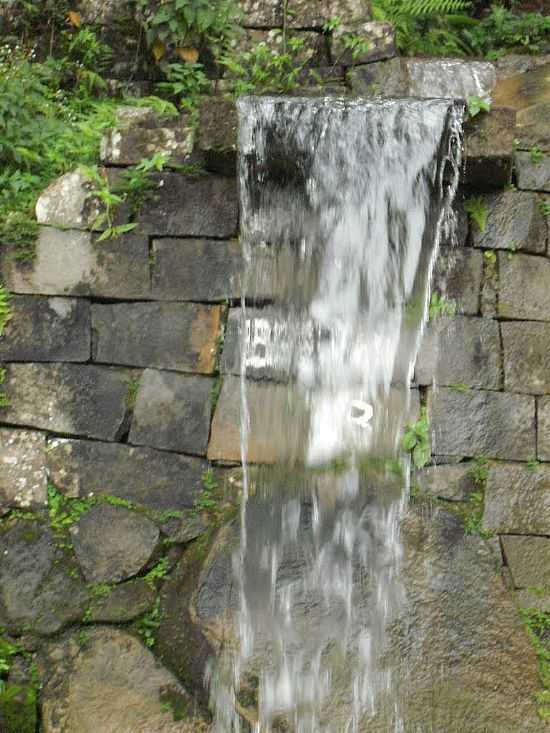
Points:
(121, 393)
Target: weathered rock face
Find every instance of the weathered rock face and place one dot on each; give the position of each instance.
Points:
(445, 645)
(68, 203)
(113, 543)
(23, 479)
(523, 287)
(533, 175)
(460, 269)
(218, 134)
(526, 357)
(543, 428)
(380, 37)
(528, 560)
(40, 587)
(514, 222)
(451, 481)
(143, 136)
(112, 684)
(517, 500)
(489, 149)
(123, 603)
(154, 479)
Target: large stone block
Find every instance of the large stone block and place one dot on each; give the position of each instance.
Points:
(155, 479)
(262, 13)
(460, 351)
(47, 329)
(204, 206)
(73, 263)
(180, 336)
(474, 423)
(517, 500)
(543, 428)
(308, 13)
(76, 399)
(489, 148)
(196, 269)
(379, 35)
(458, 276)
(129, 146)
(172, 412)
(452, 78)
(523, 287)
(217, 134)
(532, 126)
(528, 559)
(452, 482)
(526, 357)
(23, 478)
(383, 78)
(514, 222)
(68, 203)
(532, 175)
(313, 50)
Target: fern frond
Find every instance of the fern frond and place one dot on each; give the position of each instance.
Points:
(417, 8)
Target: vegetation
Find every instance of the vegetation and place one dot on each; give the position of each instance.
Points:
(440, 306)
(478, 211)
(477, 105)
(149, 624)
(538, 628)
(5, 310)
(4, 401)
(416, 440)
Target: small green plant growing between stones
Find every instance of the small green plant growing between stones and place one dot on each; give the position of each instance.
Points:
(533, 465)
(536, 155)
(4, 400)
(158, 572)
(476, 105)
(473, 513)
(132, 391)
(440, 306)
(459, 387)
(5, 310)
(64, 512)
(544, 207)
(538, 627)
(416, 440)
(206, 499)
(8, 650)
(478, 211)
(148, 626)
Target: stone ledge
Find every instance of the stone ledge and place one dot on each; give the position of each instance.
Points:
(517, 500)
(154, 479)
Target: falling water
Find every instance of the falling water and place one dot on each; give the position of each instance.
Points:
(343, 205)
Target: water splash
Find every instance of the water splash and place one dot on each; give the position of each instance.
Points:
(343, 206)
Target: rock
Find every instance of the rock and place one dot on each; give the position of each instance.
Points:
(532, 127)
(480, 423)
(312, 51)
(543, 428)
(526, 357)
(531, 599)
(47, 329)
(195, 269)
(262, 13)
(528, 559)
(452, 482)
(353, 11)
(180, 336)
(113, 543)
(459, 350)
(517, 500)
(112, 683)
(514, 64)
(172, 412)
(489, 148)
(458, 275)
(514, 222)
(129, 146)
(184, 530)
(379, 35)
(523, 287)
(382, 78)
(532, 176)
(71, 263)
(308, 13)
(204, 206)
(155, 479)
(23, 478)
(122, 603)
(68, 203)
(231, 355)
(40, 587)
(454, 78)
(217, 136)
(75, 399)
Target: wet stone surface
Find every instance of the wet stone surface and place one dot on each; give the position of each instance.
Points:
(517, 500)
(514, 222)
(528, 559)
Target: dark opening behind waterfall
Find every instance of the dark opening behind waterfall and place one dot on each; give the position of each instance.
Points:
(343, 204)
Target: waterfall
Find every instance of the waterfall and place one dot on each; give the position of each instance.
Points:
(343, 204)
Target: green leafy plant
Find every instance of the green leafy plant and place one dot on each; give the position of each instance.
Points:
(185, 83)
(4, 401)
(5, 310)
(440, 306)
(132, 391)
(158, 572)
(416, 440)
(533, 465)
(544, 207)
(206, 501)
(503, 30)
(460, 387)
(63, 511)
(148, 626)
(8, 650)
(536, 155)
(479, 472)
(476, 105)
(538, 627)
(476, 207)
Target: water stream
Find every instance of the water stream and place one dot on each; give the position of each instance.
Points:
(343, 204)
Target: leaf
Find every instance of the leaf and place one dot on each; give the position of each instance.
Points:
(74, 18)
(188, 54)
(158, 49)
(409, 440)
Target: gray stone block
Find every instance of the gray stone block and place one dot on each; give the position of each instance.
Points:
(313, 51)
(67, 203)
(474, 423)
(47, 329)
(195, 269)
(489, 148)
(130, 146)
(204, 206)
(217, 134)
(262, 13)
(528, 559)
(517, 500)
(308, 13)
(458, 277)
(452, 482)
(72, 263)
(172, 412)
(179, 336)
(75, 399)
(23, 478)
(381, 78)
(539, 599)
(155, 479)
(379, 34)
(523, 287)
(532, 176)
(459, 350)
(543, 428)
(125, 602)
(515, 222)
(113, 543)
(526, 357)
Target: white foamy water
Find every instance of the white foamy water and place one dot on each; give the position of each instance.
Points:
(342, 207)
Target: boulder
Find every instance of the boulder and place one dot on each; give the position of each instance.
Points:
(47, 329)
(69, 203)
(543, 428)
(40, 586)
(523, 287)
(158, 480)
(383, 78)
(478, 422)
(179, 336)
(123, 603)
(23, 478)
(75, 399)
(526, 357)
(379, 35)
(452, 482)
(129, 146)
(261, 13)
(196, 269)
(458, 275)
(514, 222)
(532, 175)
(112, 683)
(172, 412)
(528, 559)
(309, 13)
(113, 543)
(517, 499)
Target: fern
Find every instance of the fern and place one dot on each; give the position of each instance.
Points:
(417, 8)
